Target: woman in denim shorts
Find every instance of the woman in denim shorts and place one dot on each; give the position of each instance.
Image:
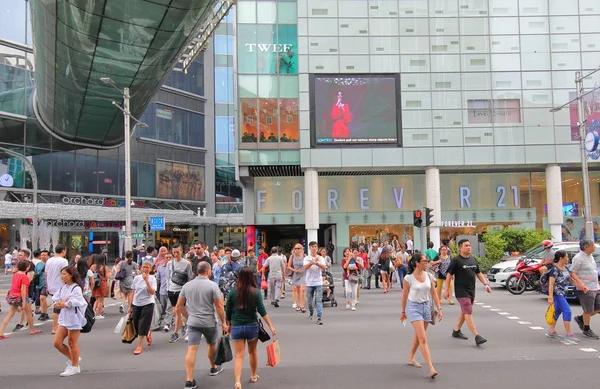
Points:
(417, 295)
(243, 303)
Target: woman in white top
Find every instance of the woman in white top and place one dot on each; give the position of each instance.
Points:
(418, 291)
(69, 299)
(141, 305)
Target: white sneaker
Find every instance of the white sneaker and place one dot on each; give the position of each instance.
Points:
(186, 338)
(347, 306)
(70, 370)
(353, 308)
(69, 362)
(99, 317)
(356, 302)
(167, 328)
(294, 306)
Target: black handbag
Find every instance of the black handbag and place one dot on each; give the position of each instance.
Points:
(224, 353)
(263, 335)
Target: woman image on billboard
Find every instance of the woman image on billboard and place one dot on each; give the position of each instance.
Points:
(341, 115)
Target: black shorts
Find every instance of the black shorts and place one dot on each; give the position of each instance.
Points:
(43, 292)
(173, 297)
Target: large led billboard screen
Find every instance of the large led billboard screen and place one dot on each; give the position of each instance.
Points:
(355, 109)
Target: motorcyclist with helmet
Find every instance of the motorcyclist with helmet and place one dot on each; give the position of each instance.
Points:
(548, 257)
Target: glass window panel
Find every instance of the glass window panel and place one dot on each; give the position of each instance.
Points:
(441, 8)
(504, 7)
(63, 172)
(246, 12)
(247, 86)
(267, 86)
(288, 86)
(287, 12)
(266, 12)
(193, 81)
(564, 24)
(249, 120)
(223, 44)
(224, 135)
(533, 7)
(289, 121)
(108, 176)
(268, 117)
(224, 85)
(268, 157)
(287, 39)
(267, 56)
(248, 55)
(42, 163)
(196, 130)
(146, 180)
(501, 26)
(86, 175)
(564, 7)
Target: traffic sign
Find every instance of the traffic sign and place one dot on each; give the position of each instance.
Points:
(157, 223)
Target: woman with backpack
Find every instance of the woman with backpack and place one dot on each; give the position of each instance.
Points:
(444, 264)
(351, 276)
(100, 290)
(141, 305)
(69, 300)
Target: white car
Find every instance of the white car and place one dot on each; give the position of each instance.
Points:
(501, 271)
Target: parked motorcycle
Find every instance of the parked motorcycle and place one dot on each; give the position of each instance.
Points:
(525, 278)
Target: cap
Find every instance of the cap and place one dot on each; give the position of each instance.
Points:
(235, 254)
(374, 245)
(143, 245)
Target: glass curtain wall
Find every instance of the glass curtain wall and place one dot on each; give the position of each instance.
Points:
(228, 191)
(267, 49)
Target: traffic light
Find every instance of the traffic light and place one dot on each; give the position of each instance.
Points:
(428, 217)
(418, 218)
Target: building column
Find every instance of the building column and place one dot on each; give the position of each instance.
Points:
(433, 201)
(554, 198)
(249, 203)
(311, 205)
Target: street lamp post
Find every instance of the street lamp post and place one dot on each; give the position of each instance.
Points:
(587, 203)
(126, 127)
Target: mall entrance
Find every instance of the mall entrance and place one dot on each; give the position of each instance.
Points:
(286, 236)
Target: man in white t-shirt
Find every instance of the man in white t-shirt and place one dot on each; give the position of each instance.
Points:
(410, 245)
(53, 278)
(313, 265)
(7, 262)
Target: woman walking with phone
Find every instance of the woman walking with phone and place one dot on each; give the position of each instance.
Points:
(417, 295)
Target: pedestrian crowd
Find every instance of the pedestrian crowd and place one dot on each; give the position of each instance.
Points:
(220, 294)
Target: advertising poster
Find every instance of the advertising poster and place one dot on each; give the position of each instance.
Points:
(355, 109)
(179, 181)
(591, 112)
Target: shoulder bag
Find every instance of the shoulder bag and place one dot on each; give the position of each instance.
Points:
(178, 277)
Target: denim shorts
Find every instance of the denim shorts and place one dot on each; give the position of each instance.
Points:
(418, 311)
(244, 332)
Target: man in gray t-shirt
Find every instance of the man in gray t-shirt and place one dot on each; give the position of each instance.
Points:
(585, 273)
(276, 265)
(184, 274)
(198, 301)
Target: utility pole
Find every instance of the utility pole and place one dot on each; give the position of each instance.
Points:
(587, 207)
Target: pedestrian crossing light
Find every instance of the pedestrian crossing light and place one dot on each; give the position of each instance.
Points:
(428, 217)
(418, 218)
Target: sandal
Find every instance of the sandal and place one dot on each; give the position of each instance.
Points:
(35, 332)
(414, 363)
(149, 338)
(303, 310)
(298, 309)
(238, 385)
(138, 351)
(254, 379)
(2, 337)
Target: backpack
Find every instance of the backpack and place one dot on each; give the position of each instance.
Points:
(229, 276)
(90, 318)
(37, 276)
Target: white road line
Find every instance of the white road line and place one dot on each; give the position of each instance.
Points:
(486, 306)
(589, 350)
(524, 322)
(503, 313)
(537, 328)
(494, 310)
(478, 303)
(513, 317)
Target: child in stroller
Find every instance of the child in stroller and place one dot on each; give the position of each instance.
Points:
(328, 289)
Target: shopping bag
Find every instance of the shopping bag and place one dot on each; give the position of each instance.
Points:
(156, 315)
(120, 327)
(223, 353)
(550, 312)
(130, 333)
(273, 353)
(264, 285)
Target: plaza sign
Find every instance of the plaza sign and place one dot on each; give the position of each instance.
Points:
(99, 202)
(268, 47)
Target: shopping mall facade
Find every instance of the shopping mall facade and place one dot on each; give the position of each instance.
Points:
(55, 111)
(352, 114)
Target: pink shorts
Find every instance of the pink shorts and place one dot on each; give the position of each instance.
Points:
(466, 305)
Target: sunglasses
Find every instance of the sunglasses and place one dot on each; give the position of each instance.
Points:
(297, 248)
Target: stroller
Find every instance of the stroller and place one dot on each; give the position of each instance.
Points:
(331, 299)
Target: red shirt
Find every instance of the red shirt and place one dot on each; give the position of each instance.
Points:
(18, 279)
(261, 258)
(358, 265)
